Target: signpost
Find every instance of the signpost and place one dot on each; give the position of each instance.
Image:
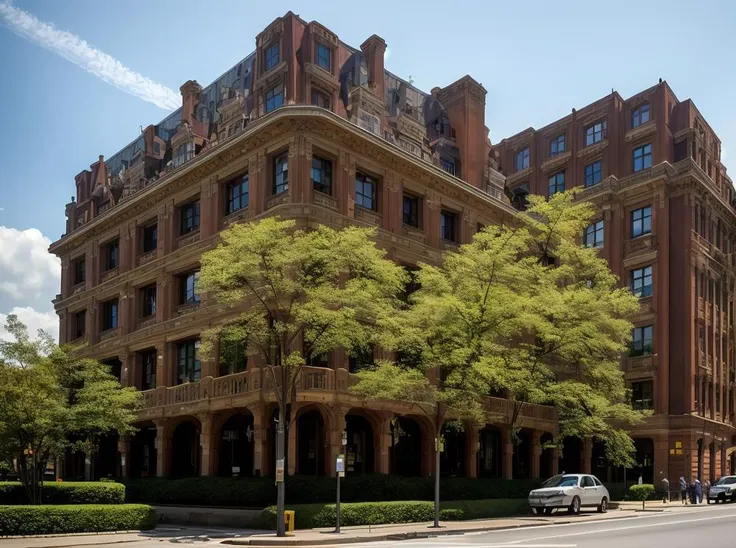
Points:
(340, 473)
(280, 471)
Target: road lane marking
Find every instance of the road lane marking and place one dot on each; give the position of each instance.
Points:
(617, 529)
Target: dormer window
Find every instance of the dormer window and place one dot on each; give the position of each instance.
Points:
(271, 58)
(184, 152)
(323, 57)
(448, 165)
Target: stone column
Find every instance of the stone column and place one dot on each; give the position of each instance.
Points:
(257, 176)
(536, 454)
(555, 461)
(163, 448)
(471, 436)
(260, 440)
(206, 467)
(163, 359)
(392, 203)
(432, 220)
(210, 207)
(128, 375)
(337, 427)
(723, 459)
(92, 324)
(383, 444)
(587, 456)
(508, 459)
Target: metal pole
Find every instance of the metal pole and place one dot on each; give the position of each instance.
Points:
(436, 482)
(280, 485)
(337, 508)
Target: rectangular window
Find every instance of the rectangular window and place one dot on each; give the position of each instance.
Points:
(595, 133)
(556, 183)
(80, 324)
(148, 298)
(557, 145)
(184, 153)
(188, 368)
(448, 226)
(365, 191)
(324, 57)
(448, 164)
(280, 174)
(189, 218)
(641, 221)
(148, 370)
(320, 99)
(80, 270)
(237, 194)
(188, 288)
(522, 159)
(274, 98)
(271, 58)
(233, 357)
(640, 115)
(641, 281)
(110, 315)
(593, 174)
(594, 234)
(410, 210)
(150, 237)
(641, 341)
(111, 255)
(642, 395)
(322, 175)
(642, 157)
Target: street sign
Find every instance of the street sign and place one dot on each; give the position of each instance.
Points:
(340, 465)
(280, 471)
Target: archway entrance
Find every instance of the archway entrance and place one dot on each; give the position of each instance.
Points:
(522, 451)
(570, 458)
(236, 446)
(360, 453)
(546, 460)
(406, 447)
(490, 456)
(185, 450)
(453, 458)
(143, 452)
(310, 444)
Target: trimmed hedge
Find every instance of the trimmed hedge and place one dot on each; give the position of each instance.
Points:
(71, 492)
(642, 492)
(91, 518)
(260, 492)
(309, 516)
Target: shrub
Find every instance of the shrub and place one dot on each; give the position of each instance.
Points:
(643, 492)
(308, 516)
(260, 492)
(45, 520)
(66, 493)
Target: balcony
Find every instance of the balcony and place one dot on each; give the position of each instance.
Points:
(146, 258)
(231, 390)
(109, 275)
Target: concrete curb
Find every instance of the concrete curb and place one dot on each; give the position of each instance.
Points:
(291, 541)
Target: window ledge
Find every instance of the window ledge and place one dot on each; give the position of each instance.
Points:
(368, 215)
(146, 257)
(187, 308)
(148, 321)
(109, 334)
(640, 131)
(187, 239)
(108, 275)
(519, 176)
(82, 286)
(554, 162)
(277, 199)
(593, 149)
(448, 244)
(236, 216)
(323, 199)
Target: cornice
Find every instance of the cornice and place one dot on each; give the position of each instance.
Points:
(255, 136)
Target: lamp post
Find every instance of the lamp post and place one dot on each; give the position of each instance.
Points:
(340, 472)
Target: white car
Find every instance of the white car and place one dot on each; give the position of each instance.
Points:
(723, 490)
(571, 492)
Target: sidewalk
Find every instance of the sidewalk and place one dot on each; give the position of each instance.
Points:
(320, 537)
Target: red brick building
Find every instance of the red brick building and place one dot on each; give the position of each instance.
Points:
(652, 164)
(310, 128)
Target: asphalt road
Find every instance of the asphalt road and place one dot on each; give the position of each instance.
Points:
(713, 526)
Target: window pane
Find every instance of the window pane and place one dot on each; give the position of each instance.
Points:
(281, 175)
(365, 191)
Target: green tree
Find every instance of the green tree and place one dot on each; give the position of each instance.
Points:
(524, 309)
(307, 292)
(50, 396)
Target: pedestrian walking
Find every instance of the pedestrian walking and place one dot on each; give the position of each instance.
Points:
(699, 490)
(691, 491)
(665, 487)
(683, 490)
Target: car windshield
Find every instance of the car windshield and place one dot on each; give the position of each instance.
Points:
(727, 481)
(561, 481)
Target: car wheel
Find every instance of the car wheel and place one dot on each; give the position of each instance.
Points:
(575, 506)
(548, 511)
(603, 506)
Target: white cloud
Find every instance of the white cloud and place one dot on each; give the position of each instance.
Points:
(75, 49)
(27, 270)
(34, 320)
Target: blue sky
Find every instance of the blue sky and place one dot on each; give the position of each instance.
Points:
(537, 59)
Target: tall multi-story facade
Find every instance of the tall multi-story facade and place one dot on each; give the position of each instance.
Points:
(306, 128)
(666, 224)
(309, 128)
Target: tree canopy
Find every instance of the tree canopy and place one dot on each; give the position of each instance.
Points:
(52, 399)
(525, 310)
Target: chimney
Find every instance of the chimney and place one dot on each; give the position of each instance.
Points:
(101, 171)
(190, 92)
(374, 49)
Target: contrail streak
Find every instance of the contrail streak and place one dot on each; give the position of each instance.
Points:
(82, 54)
